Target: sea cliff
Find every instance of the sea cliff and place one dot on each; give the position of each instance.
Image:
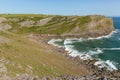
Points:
(25, 54)
(64, 26)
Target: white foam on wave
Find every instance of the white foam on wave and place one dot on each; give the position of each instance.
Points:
(52, 42)
(111, 48)
(88, 55)
(72, 40)
(107, 36)
(95, 52)
(85, 56)
(74, 53)
(69, 48)
(82, 55)
(68, 45)
(109, 64)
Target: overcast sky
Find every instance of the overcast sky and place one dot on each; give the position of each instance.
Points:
(62, 7)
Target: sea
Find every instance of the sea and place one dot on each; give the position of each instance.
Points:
(105, 49)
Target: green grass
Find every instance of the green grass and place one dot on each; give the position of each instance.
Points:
(53, 27)
(57, 25)
(21, 51)
(83, 20)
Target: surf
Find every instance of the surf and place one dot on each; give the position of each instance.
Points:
(92, 48)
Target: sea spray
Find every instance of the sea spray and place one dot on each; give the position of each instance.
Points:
(109, 64)
(56, 42)
(94, 48)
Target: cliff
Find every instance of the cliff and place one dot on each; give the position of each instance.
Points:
(85, 26)
(29, 57)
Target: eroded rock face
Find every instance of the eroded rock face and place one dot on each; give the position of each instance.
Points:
(30, 23)
(95, 26)
(5, 26)
(14, 20)
(82, 26)
(2, 19)
(43, 21)
(27, 23)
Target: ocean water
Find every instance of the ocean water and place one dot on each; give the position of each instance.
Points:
(105, 49)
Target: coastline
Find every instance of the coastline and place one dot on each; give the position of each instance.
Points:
(95, 72)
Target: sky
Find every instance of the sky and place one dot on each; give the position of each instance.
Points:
(61, 7)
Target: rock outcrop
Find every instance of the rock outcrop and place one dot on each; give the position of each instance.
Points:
(5, 27)
(43, 21)
(2, 19)
(18, 52)
(92, 26)
(27, 23)
(3, 24)
(65, 26)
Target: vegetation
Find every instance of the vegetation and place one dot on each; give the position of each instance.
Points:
(24, 56)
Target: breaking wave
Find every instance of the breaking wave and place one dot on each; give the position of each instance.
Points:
(55, 42)
(109, 64)
(91, 51)
(111, 48)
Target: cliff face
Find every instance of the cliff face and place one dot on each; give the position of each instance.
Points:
(87, 26)
(21, 56)
(93, 26)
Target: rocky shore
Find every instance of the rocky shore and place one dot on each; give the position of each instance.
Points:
(49, 27)
(64, 77)
(95, 72)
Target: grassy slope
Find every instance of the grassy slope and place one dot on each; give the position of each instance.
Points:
(21, 53)
(58, 24)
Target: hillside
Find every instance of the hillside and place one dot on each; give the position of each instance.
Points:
(94, 25)
(20, 54)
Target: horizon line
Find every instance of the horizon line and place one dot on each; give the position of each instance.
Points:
(60, 14)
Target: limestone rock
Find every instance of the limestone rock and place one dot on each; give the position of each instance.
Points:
(2, 19)
(43, 21)
(27, 23)
(5, 26)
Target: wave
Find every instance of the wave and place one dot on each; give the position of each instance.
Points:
(74, 53)
(52, 42)
(83, 55)
(74, 40)
(107, 36)
(88, 54)
(110, 48)
(96, 51)
(109, 64)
